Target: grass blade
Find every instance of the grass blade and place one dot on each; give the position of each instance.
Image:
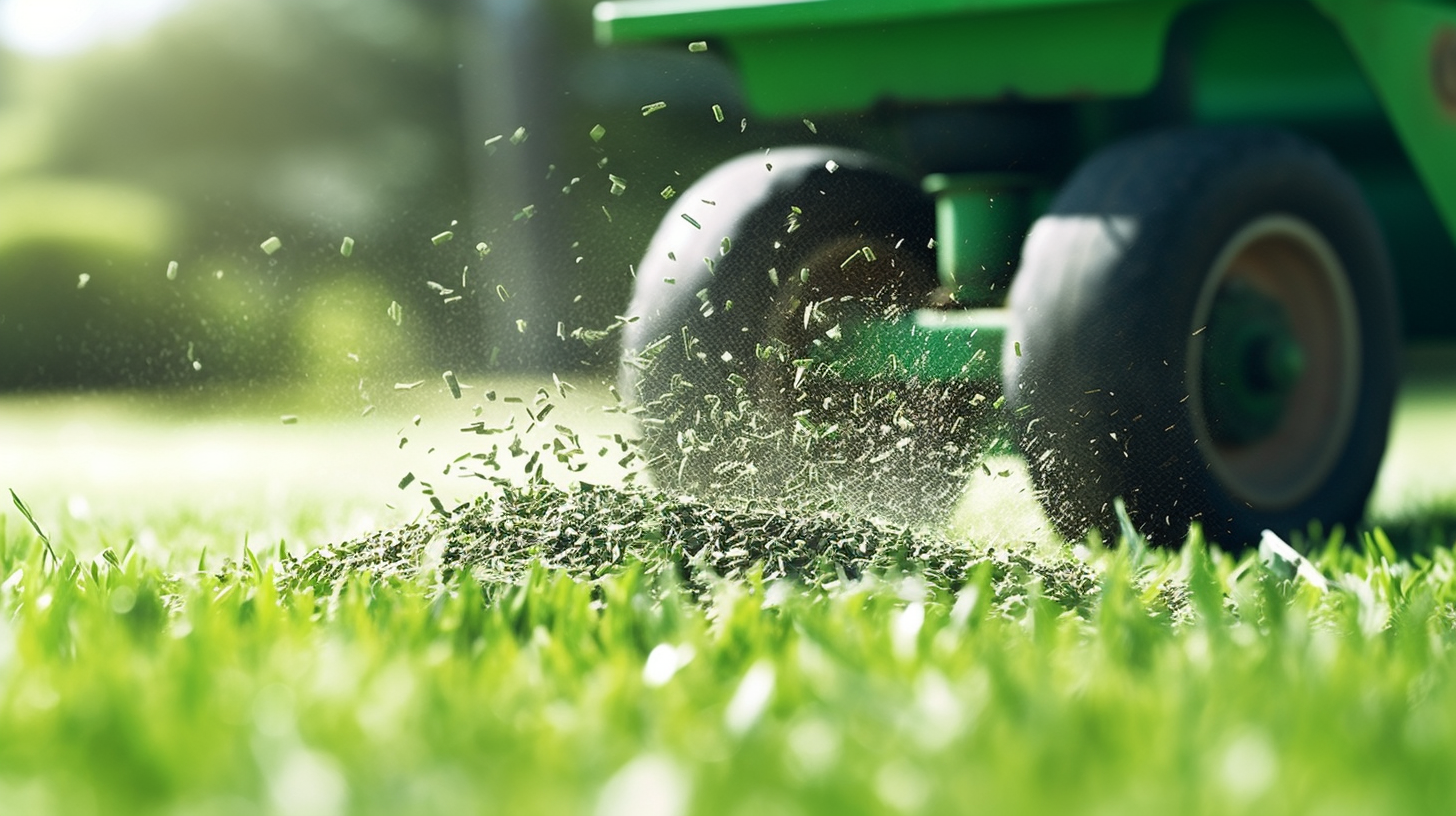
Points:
(25, 511)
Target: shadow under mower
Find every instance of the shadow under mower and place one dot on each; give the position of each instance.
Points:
(1142, 240)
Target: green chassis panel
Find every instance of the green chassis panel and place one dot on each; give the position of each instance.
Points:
(929, 344)
(1408, 49)
(797, 57)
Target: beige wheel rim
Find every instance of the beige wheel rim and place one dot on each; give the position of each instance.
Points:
(1279, 264)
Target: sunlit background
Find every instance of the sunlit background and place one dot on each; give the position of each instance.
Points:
(149, 345)
(138, 135)
(45, 28)
(150, 348)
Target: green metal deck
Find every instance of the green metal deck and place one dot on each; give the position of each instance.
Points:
(805, 57)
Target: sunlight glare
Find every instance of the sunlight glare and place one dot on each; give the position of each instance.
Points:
(58, 27)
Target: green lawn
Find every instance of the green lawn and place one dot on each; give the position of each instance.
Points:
(529, 658)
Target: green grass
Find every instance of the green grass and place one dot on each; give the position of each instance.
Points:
(614, 650)
(491, 672)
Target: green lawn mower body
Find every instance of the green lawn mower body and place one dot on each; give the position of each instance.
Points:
(1002, 103)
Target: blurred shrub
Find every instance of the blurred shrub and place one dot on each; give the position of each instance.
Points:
(344, 338)
(82, 284)
(229, 122)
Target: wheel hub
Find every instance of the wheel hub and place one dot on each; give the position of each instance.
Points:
(1251, 364)
(1274, 363)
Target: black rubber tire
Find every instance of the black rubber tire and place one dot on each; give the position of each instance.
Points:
(725, 418)
(1105, 313)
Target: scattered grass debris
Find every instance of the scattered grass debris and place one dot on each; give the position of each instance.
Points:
(592, 531)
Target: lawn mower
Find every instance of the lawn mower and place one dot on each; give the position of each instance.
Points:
(1160, 241)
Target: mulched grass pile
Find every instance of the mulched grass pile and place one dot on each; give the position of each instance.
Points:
(592, 531)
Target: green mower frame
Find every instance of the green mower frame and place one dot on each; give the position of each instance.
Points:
(1231, 163)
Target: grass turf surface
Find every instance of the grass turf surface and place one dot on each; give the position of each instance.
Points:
(492, 672)
(688, 659)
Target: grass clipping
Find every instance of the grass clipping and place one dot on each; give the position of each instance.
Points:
(591, 531)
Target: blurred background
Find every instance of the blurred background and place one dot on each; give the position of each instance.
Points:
(148, 149)
(137, 134)
(149, 345)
